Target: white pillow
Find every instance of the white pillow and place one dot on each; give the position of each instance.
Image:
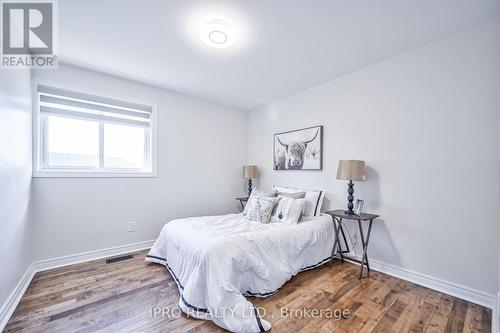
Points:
(260, 208)
(288, 210)
(257, 192)
(314, 199)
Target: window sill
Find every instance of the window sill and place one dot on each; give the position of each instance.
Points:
(91, 174)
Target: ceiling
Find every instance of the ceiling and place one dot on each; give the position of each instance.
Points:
(285, 46)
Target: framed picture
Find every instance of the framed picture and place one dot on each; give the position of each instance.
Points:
(358, 208)
(300, 149)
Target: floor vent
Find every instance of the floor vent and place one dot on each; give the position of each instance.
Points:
(111, 260)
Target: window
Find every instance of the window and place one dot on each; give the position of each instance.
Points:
(85, 135)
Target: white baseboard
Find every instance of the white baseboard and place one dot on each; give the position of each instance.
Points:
(44, 265)
(450, 288)
(12, 301)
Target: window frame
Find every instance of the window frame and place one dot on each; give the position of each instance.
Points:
(42, 170)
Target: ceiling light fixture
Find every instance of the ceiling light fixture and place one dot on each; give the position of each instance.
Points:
(219, 33)
(218, 37)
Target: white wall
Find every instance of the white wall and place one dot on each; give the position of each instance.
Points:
(425, 122)
(498, 207)
(15, 178)
(201, 148)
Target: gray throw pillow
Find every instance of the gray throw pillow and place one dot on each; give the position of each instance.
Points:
(294, 195)
(266, 194)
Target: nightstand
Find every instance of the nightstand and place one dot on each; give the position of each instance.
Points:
(242, 200)
(338, 216)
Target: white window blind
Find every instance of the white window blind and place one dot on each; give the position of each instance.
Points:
(85, 134)
(67, 103)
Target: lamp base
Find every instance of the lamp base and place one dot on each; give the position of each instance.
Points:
(350, 198)
(249, 186)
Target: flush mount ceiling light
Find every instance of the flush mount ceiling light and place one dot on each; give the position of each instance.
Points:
(219, 33)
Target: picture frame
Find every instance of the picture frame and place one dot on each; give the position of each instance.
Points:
(300, 149)
(358, 207)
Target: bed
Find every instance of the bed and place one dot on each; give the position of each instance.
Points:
(217, 260)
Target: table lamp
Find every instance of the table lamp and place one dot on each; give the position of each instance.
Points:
(249, 172)
(351, 170)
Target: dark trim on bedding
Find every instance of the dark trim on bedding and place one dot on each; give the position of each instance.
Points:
(259, 322)
(317, 203)
(249, 293)
(178, 282)
(155, 257)
(169, 269)
(258, 319)
(192, 306)
(315, 265)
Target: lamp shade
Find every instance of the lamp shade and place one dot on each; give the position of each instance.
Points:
(250, 171)
(351, 170)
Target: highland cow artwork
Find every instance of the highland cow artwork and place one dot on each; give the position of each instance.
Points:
(299, 149)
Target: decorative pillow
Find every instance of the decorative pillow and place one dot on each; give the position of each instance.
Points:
(257, 192)
(260, 208)
(314, 199)
(288, 210)
(294, 195)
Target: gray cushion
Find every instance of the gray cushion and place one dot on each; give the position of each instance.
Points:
(294, 195)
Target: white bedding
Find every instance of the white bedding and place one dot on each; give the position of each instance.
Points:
(215, 260)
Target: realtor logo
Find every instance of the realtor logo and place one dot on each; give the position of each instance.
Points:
(28, 34)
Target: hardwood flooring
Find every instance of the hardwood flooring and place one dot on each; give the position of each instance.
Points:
(120, 296)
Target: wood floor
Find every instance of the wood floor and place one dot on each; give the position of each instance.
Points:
(118, 297)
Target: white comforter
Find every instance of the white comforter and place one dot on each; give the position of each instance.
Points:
(215, 260)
